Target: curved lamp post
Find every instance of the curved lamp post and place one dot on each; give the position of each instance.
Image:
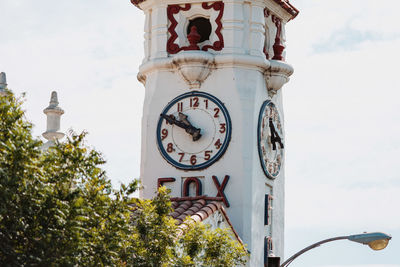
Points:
(376, 241)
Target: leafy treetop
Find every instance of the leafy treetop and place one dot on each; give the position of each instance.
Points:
(58, 208)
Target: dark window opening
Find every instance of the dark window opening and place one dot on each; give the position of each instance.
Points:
(203, 27)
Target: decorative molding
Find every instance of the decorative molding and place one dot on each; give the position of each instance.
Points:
(193, 66)
(219, 61)
(174, 48)
(277, 75)
(141, 78)
(286, 6)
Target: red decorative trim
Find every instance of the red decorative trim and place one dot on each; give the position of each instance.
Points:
(161, 181)
(196, 198)
(217, 45)
(221, 188)
(186, 184)
(278, 47)
(173, 48)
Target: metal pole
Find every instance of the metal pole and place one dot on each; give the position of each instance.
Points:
(288, 261)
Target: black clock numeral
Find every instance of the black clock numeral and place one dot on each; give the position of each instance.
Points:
(216, 114)
(170, 148)
(193, 159)
(194, 102)
(164, 134)
(207, 154)
(182, 155)
(222, 127)
(180, 106)
(218, 144)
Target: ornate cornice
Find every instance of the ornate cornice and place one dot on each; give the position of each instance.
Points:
(285, 4)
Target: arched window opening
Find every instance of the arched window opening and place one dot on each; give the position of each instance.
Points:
(203, 27)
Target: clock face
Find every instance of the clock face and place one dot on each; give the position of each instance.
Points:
(193, 131)
(270, 139)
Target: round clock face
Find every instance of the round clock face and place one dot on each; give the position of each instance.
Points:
(270, 139)
(193, 131)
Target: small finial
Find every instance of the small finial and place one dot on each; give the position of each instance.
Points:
(53, 113)
(193, 37)
(3, 83)
(53, 99)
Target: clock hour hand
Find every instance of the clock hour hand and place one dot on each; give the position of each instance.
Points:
(275, 138)
(184, 124)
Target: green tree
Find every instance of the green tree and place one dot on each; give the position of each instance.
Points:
(58, 208)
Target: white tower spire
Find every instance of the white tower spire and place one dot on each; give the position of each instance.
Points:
(53, 113)
(3, 84)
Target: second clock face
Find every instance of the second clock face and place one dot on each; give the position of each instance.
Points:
(270, 139)
(193, 131)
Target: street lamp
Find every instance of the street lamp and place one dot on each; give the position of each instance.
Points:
(376, 241)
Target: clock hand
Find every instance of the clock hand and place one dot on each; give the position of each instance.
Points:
(189, 128)
(275, 138)
(184, 124)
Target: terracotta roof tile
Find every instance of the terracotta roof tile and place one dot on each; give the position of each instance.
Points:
(198, 209)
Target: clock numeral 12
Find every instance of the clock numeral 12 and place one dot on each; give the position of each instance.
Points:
(194, 102)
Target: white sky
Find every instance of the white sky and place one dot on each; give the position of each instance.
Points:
(341, 106)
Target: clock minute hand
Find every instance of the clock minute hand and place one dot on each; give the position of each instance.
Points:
(184, 124)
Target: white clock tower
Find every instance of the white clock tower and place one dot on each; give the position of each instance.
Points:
(213, 117)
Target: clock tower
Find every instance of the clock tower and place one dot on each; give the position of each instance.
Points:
(212, 122)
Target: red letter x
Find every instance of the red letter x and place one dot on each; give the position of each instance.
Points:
(221, 188)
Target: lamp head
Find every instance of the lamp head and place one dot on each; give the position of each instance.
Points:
(375, 241)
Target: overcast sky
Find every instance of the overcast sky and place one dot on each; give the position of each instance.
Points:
(341, 107)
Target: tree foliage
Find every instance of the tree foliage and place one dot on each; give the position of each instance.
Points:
(58, 208)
